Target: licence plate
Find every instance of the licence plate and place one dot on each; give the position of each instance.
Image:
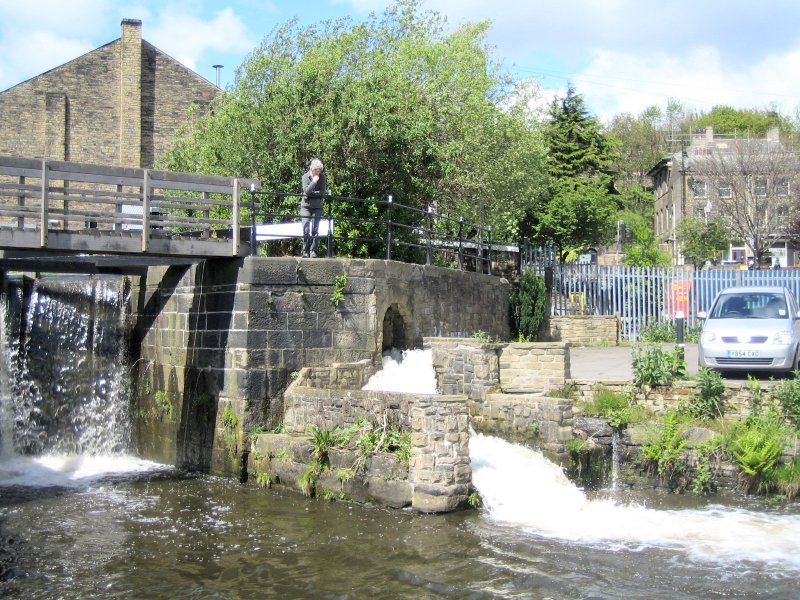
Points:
(743, 353)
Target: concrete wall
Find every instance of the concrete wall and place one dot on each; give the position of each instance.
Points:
(119, 104)
(225, 337)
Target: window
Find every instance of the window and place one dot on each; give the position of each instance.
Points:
(760, 187)
(698, 187)
(724, 190)
(782, 187)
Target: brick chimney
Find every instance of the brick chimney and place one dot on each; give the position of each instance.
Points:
(130, 94)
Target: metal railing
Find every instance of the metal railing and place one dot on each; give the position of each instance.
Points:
(641, 295)
(382, 228)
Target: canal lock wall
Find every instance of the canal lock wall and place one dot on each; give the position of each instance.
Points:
(217, 344)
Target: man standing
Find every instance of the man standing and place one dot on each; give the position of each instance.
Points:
(315, 187)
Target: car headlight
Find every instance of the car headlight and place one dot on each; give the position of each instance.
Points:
(708, 337)
(782, 337)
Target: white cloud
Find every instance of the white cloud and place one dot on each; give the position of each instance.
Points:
(620, 82)
(187, 38)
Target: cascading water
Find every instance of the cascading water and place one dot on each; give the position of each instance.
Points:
(520, 487)
(65, 414)
(409, 371)
(615, 458)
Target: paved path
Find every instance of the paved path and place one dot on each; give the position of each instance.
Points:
(614, 363)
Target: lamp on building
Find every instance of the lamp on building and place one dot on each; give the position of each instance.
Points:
(707, 209)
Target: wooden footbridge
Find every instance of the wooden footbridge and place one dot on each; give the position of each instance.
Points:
(73, 215)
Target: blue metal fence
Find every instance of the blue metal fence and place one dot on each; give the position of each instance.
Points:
(644, 295)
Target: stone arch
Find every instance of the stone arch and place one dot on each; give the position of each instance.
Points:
(397, 328)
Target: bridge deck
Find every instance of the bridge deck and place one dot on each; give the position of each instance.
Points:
(75, 208)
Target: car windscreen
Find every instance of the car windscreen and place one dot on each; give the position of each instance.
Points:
(751, 305)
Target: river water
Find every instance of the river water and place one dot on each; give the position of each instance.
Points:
(89, 522)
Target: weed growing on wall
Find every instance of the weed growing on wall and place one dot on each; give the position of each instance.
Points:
(616, 408)
(708, 401)
(663, 452)
(339, 284)
(756, 445)
(787, 396)
(653, 366)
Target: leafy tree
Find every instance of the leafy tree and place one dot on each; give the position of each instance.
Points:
(741, 122)
(579, 215)
(577, 146)
(581, 206)
(702, 241)
(391, 105)
(642, 249)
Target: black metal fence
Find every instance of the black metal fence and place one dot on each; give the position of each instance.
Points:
(383, 228)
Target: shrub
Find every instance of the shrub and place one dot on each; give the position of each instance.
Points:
(569, 391)
(703, 480)
(529, 306)
(786, 479)
(708, 401)
(663, 451)
(653, 366)
(756, 444)
(787, 396)
(614, 407)
(657, 332)
(321, 440)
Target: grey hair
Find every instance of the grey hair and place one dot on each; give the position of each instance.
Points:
(316, 164)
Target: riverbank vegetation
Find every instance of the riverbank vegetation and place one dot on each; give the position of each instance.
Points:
(686, 446)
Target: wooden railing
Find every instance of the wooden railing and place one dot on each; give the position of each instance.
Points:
(75, 207)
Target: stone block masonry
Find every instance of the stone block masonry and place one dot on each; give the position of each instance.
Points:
(231, 334)
(439, 474)
(120, 104)
(588, 330)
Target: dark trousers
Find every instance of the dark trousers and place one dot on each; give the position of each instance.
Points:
(310, 218)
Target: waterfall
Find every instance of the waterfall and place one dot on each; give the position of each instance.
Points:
(409, 371)
(65, 411)
(520, 487)
(615, 458)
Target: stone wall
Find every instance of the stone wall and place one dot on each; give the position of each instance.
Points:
(474, 367)
(119, 104)
(534, 366)
(224, 338)
(531, 419)
(439, 470)
(580, 330)
(739, 395)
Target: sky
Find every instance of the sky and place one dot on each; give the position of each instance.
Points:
(622, 55)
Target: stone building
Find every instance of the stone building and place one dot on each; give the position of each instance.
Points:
(716, 175)
(119, 104)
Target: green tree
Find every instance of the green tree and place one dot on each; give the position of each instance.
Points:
(702, 241)
(392, 105)
(581, 206)
(740, 122)
(576, 144)
(579, 215)
(642, 248)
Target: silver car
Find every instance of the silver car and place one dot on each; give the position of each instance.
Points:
(751, 329)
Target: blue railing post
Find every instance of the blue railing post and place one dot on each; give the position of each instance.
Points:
(460, 243)
(429, 258)
(330, 226)
(389, 227)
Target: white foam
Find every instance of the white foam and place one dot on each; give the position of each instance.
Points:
(70, 470)
(521, 487)
(410, 371)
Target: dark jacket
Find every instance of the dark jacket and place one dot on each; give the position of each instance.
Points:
(313, 193)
